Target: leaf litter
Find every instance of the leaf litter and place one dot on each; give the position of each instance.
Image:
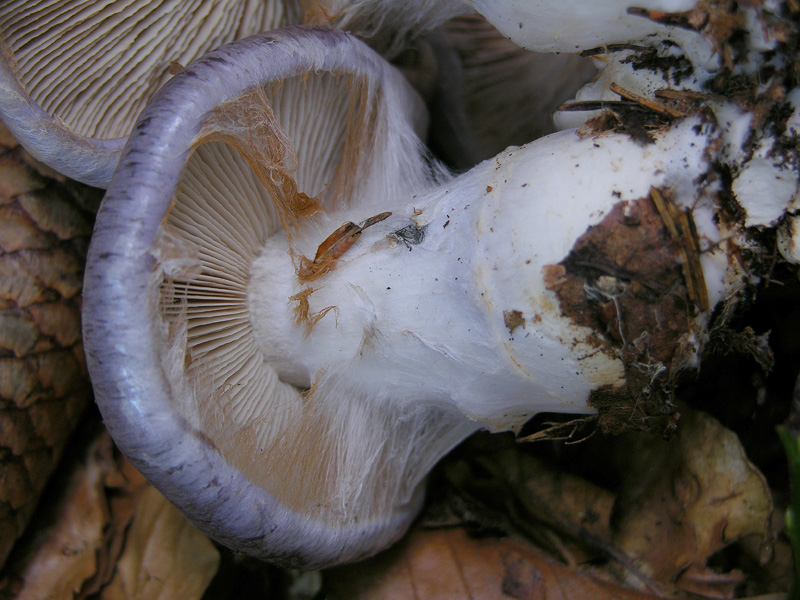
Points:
(104, 533)
(515, 525)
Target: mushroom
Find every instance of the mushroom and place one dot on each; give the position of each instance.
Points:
(291, 312)
(341, 139)
(75, 75)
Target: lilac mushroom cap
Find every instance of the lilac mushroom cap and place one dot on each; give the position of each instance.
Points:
(176, 371)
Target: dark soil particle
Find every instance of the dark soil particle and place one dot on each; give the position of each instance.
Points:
(673, 68)
(625, 117)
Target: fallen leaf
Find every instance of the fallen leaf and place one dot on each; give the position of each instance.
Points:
(512, 491)
(570, 504)
(165, 557)
(107, 534)
(61, 554)
(448, 564)
(685, 499)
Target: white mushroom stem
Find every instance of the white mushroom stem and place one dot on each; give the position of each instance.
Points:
(574, 26)
(446, 302)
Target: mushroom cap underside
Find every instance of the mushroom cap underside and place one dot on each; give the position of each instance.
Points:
(257, 463)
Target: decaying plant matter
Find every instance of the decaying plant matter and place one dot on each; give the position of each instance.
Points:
(44, 387)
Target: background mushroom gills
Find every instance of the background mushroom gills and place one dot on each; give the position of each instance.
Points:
(101, 97)
(74, 75)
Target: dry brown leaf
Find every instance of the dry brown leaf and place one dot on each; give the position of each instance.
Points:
(45, 225)
(108, 534)
(165, 557)
(62, 552)
(686, 499)
(568, 503)
(510, 490)
(448, 564)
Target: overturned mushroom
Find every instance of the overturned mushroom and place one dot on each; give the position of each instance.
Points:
(287, 380)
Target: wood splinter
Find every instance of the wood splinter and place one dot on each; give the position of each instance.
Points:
(334, 246)
(658, 107)
(681, 228)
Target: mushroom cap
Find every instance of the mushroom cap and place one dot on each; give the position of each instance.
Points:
(151, 367)
(75, 75)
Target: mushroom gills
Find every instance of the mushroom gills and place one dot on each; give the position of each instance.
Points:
(75, 74)
(70, 67)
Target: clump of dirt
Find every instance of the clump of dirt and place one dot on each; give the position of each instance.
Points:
(626, 278)
(638, 122)
(674, 68)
